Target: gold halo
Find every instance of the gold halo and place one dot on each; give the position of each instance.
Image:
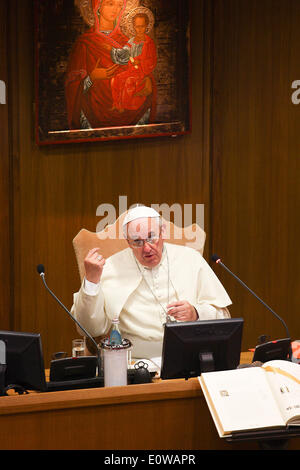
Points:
(126, 24)
(86, 10)
(130, 4)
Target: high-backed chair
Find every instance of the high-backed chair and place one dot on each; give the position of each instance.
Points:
(111, 240)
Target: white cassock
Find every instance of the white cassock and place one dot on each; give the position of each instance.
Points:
(139, 296)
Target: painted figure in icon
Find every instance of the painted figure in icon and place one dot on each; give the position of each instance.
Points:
(128, 87)
(95, 94)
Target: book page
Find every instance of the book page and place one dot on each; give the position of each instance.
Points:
(284, 378)
(241, 399)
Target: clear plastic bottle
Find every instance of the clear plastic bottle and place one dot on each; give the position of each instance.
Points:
(115, 337)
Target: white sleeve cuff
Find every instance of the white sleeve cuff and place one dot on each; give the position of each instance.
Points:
(90, 288)
(209, 312)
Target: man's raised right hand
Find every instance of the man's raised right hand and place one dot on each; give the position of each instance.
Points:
(93, 264)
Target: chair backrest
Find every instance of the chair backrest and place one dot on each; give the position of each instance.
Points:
(111, 240)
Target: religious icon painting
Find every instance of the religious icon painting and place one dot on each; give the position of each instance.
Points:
(111, 69)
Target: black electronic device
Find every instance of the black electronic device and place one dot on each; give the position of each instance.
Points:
(72, 368)
(271, 350)
(24, 361)
(141, 374)
(190, 348)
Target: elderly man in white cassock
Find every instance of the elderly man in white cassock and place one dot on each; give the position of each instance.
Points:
(146, 285)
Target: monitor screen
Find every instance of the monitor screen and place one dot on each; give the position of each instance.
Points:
(191, 348)
(24, 360)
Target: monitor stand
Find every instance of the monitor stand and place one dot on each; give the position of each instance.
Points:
(207, 363)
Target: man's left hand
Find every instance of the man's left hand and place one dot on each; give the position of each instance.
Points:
(182, 310)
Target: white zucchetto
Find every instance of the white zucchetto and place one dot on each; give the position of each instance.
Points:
(139, 212)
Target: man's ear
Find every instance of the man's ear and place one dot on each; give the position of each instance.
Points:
(163, 230)
(128, 244)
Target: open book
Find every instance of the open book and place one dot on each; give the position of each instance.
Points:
(254, 398)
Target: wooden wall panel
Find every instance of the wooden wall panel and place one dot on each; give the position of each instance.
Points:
(5, 220)
(241, 161)
(255, 159)
(58, 188)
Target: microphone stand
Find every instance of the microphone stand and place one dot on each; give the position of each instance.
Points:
(217, 260)
(42, 274)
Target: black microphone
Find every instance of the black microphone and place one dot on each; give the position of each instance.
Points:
(41, 271)
(217, 260)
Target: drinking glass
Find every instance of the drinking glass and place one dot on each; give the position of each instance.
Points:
(78, 347)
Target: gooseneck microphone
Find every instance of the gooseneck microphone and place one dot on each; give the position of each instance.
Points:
(217, 260)
(41, 271)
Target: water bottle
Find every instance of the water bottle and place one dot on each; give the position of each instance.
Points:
(115, 337)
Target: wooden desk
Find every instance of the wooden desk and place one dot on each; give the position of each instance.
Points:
(169, 414)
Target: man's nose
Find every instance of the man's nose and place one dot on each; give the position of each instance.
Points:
(147, 247)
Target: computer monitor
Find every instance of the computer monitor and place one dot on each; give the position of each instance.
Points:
(24, 360)
(191, 348)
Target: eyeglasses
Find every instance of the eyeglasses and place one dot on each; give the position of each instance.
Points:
(141, 241)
